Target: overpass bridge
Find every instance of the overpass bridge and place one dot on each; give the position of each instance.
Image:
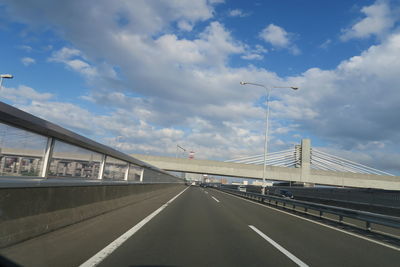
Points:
(66, 200)
(301, 171)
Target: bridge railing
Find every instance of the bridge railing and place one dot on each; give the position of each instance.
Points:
(367, 217)
(34, 151)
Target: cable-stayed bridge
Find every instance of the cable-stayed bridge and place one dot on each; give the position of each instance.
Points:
(319, 160)
(302, 164)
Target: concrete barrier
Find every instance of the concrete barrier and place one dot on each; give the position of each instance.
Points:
(27, 212)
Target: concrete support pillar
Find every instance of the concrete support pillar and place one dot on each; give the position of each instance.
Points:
(305, 161)
(297, 156)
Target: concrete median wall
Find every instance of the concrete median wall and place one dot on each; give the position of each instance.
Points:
(31, 211)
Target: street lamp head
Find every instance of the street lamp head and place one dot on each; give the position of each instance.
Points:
(294, 88)
(6, 76)
(243, 83)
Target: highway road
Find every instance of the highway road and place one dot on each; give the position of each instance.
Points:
(206, 227)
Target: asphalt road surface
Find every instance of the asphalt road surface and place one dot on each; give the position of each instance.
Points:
(206, 227)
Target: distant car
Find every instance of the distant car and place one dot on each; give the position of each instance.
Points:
(242, 188)
(285, 193)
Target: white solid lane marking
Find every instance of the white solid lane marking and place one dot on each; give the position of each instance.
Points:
(325, 225)
(102, 254)
(279, 247)
(215, 199)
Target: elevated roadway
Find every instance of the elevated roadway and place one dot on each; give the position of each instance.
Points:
(204, 227)
(304, 174)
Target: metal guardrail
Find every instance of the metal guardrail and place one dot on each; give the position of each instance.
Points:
(19, 119)
(367, 217)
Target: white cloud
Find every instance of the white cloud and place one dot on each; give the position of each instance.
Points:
(275, 35)
(68, 56)
(190, 95)
(354, 104)
(237, 13)
(184, 25)
(140, 16)
(26, 48)
(28, 61)
(252, 56)
(24, 94)
(255, 54)
(326, 44)
(378, 20)
(278, 37)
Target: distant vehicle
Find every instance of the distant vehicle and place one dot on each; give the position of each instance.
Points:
(242, 188)
(285, 193)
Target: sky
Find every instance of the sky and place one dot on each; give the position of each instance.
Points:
(143, 76)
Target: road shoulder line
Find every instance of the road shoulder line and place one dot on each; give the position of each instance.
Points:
(102, 254)
(215, 199)
(325, 225)
(279, 247)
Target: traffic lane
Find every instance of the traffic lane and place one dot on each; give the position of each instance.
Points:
(315, 244)
(195, 230)
(74, 244)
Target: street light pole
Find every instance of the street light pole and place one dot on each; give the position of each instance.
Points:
(4, 76)
(268, 91)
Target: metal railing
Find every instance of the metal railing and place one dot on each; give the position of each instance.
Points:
(367, 217)
(35, 152)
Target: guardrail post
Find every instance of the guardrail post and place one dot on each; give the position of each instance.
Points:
(127, 172)
(141, 175)
(47, 156)
(102, 167)
(340, 218)
(368, 226)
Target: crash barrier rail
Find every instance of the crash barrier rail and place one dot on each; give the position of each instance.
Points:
(367, 217)
(37, 151)
(360, 196)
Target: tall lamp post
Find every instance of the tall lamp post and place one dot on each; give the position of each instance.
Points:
(268, 90)
(4, 76)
